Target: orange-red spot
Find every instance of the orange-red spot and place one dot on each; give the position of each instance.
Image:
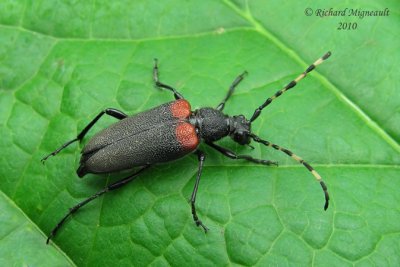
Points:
(180, 109)
(187, 136)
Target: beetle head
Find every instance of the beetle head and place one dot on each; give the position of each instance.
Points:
(240, 130)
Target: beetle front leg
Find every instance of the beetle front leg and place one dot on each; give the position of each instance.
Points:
(109, 111)
(201, 157)
(233, 155)
(156, 79)
(231, 89)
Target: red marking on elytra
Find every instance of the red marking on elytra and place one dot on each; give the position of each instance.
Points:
(180, 109)
(187, 136)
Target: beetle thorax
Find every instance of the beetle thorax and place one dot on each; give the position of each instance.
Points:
(210, 123)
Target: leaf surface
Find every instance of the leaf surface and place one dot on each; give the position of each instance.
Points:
(62, 62)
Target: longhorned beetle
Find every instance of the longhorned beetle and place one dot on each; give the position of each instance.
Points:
(169, 132)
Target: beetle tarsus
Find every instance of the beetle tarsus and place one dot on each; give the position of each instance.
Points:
(200, 223)
(110, 187)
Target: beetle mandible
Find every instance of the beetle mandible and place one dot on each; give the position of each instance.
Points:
(169, 132)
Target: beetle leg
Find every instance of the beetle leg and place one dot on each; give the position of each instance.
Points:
(156, 79)
(110, 187)
(109, 111)
(233, 155)
(231, 89)
(201, 157)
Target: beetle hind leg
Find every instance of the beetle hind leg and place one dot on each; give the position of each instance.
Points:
(201, 157)
(110, 187)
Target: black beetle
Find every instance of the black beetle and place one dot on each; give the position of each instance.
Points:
(169, 132)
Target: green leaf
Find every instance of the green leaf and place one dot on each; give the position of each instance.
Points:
(61, 62)
(22, 242)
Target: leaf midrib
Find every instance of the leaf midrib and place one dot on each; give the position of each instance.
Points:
(376, 127)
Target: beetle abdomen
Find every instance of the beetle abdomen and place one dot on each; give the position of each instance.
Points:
(171, 111)
(141, 139)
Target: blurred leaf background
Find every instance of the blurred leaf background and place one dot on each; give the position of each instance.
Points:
(61, 62)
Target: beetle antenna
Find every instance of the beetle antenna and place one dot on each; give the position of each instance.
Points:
(290, 85)
(298, 159)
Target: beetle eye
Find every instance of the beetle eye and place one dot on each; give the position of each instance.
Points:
(241, 138)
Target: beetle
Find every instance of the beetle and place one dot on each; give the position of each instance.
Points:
(169, 132)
